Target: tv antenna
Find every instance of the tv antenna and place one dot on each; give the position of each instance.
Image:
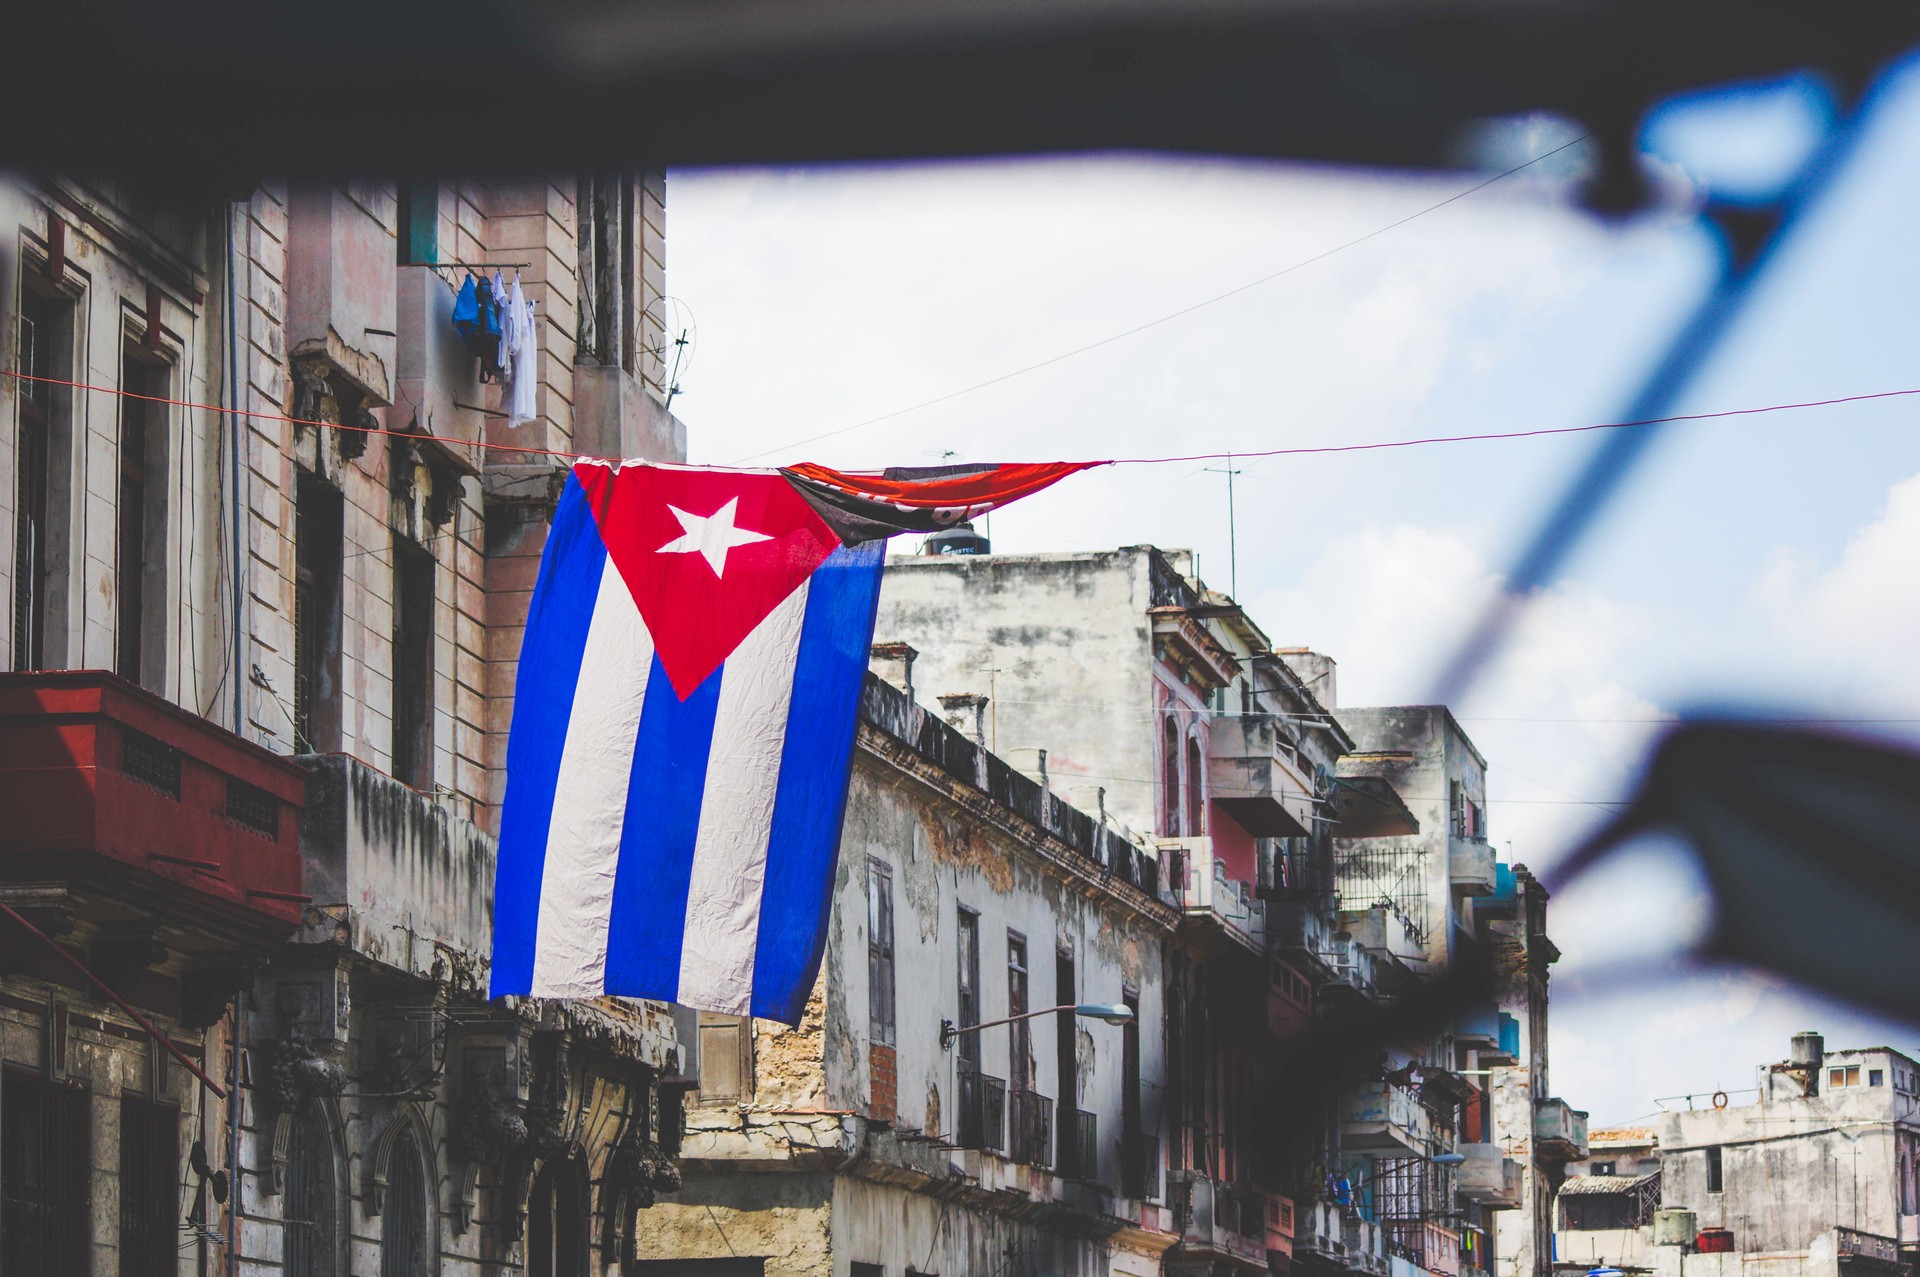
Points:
(1233, 550)
(679, 337)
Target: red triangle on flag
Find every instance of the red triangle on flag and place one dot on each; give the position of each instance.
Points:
(707, 554)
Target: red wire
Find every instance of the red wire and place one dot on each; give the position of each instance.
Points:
(1121, 461)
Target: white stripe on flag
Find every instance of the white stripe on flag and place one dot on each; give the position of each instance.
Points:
(590, 797)
(736, 813)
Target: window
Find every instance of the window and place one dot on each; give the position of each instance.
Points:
(1196, 791)
(869, 1270)
(880, 951)
(1066, 1046)
(1876, 1077)
(317, 528)
(44, 328)
(557, 1220)
(44, 1206)
(1170, 755)
(1140, 1176)
(726, 1058)
(1601, 1168)
(140, 560)
(1020, 1048)
(407, 1235)
(1715, 1176)
(412, 664)
(150, 1210)
(418, 240)
(1847, 1076)
(311, 1197)
(971, 1108)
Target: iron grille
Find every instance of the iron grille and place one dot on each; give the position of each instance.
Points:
(253, 807)
(44, 1203)
(1030, 1135)
(993, 1114)
(150, 1212)
(1079, 1132)
(153, 763)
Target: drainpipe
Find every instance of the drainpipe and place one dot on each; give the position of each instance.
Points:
(233, 453)
(236, 1179)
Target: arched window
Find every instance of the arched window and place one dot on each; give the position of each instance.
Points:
(557, 1220)
(1170, 759)
(311, 1198)
(1196, 791)
(407, 1236)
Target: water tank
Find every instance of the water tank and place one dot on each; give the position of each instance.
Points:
(1674, 1227)
(1714, 1241)
(958, 539)
(1809, 1049)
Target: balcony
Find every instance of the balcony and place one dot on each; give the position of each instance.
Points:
(405, 877)
(1255, 775)
(1205, 893)
(1383, 1118)
(1079, 1146)
(1030, 1128)
(112, 793)
(1504, 901)
(1559, 1131)
(1471, 866)
(1478, 1027)
(981, 1120)
(1218, 1221)
(1488, 1177)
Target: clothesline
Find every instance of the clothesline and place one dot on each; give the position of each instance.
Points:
(1235, 455)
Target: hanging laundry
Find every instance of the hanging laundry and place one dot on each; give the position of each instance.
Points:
(504, 356)
(466, 311)
(523, 397)
(485, 341)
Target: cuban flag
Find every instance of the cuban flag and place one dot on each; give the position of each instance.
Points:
(682, 735)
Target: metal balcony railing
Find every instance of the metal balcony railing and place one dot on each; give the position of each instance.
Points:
(1030, 1128)
(983, 1106)
(1079, 1145)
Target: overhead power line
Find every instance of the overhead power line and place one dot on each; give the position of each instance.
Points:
(1172, 314)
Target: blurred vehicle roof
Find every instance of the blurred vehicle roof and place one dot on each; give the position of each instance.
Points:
(233, 88)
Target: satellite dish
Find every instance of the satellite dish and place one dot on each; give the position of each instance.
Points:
(672, 336)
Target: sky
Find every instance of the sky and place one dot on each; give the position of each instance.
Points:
(1769, 562)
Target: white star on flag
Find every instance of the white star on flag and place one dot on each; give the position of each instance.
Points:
(710, 536)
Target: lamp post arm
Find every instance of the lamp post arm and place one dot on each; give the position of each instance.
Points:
(949, 1030)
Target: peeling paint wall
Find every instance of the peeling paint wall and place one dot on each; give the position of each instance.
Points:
(1062, 647)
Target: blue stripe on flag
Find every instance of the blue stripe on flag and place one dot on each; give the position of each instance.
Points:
(549, 671)
(814, 765)
(656, 850)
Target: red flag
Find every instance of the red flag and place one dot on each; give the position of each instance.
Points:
(868, 505)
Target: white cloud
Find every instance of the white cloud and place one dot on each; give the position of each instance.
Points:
(1853, 627)
(1554, 717)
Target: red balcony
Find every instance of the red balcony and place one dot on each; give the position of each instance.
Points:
(113, 795)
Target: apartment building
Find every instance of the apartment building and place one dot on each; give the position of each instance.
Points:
(264, 589)
(957, 1098)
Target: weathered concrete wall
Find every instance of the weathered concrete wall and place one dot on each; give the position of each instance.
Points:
(1062, 646)
(1794, 1168)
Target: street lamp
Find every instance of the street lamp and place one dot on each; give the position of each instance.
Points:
(1110, 1012)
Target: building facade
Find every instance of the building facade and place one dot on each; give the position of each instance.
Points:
(1816, 1176)
(873, 1140)
(1607, 1205)
(242, 481)
(1328, 862)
